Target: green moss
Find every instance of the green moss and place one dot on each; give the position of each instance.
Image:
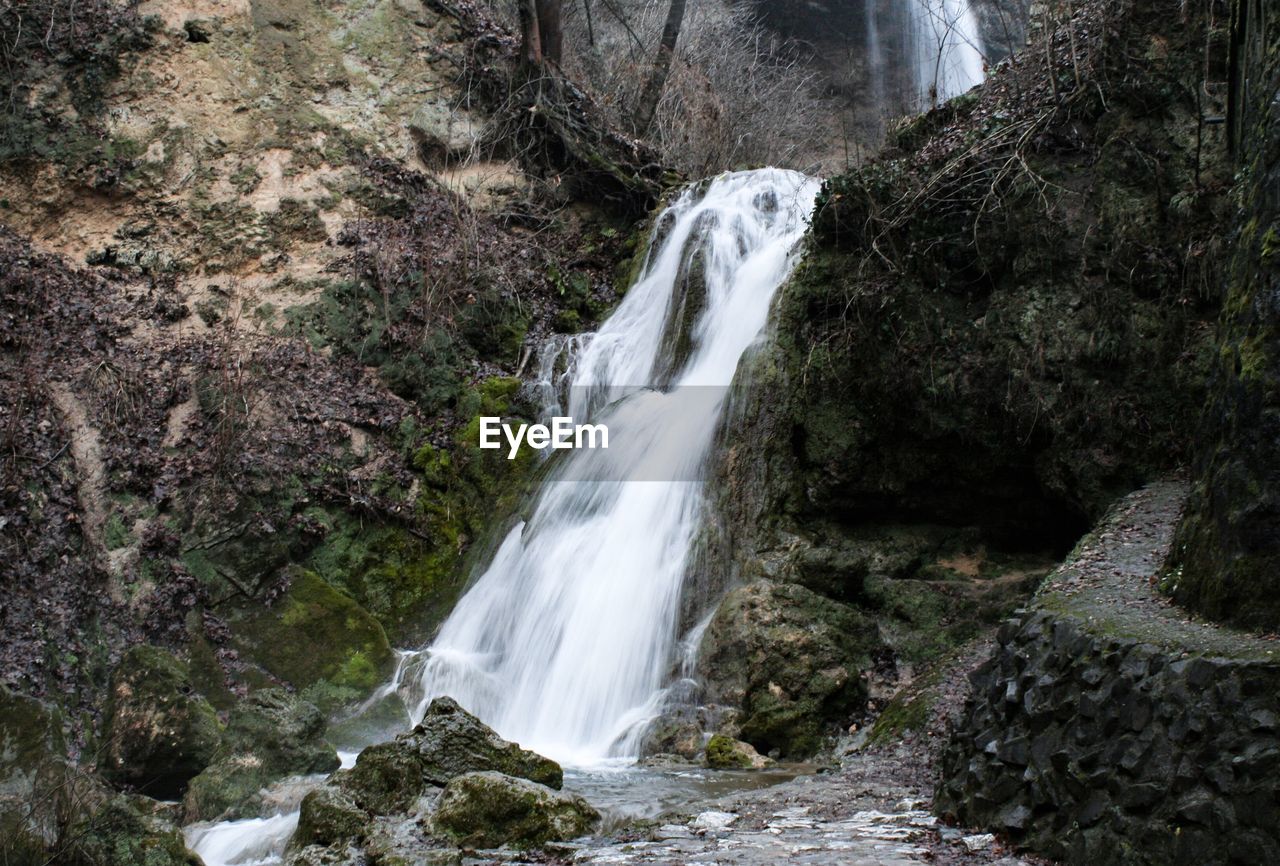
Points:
(318, 639)
(723, 754)
(115, 534)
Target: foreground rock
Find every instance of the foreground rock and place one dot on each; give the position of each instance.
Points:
(158, 733)
(271, 735)
(488, 810)
(1106, 728)
(128, 831)
(393, 794)
(389, 777)
(724, 753)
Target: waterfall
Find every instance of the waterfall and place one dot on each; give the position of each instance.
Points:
(565, 640)
(947, 48)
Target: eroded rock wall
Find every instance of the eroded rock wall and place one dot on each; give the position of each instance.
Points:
(1228, 551)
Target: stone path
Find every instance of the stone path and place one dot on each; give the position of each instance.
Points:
(1111, 582)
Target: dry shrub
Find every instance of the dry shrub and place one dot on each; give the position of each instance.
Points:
(738, 94)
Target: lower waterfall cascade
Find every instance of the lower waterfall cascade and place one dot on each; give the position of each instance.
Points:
(563, 642)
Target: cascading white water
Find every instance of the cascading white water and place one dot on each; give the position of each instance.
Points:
(564, 641)
(948, 48)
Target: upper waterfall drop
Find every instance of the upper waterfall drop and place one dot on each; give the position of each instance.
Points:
(948, 48)
(566, 639)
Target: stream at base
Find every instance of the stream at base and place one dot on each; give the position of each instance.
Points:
(623, 793)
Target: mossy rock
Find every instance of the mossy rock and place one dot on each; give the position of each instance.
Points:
(122, 834)
(328, 816)
(270, 735)
(488, 810)
(319, 640)
(792, 659)
(158, 733)
(726, 753)
(389, 777)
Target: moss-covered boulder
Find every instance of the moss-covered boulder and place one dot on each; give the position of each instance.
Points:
(128, 831)
(317, 639)
(726, 753)
(158, 733)
(329, 815)
(271, 735)
(792, 659)
(487, 810)
(448, 742)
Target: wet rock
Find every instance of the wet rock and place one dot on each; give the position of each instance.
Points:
(129, 831)
(389, 777)
(270, 735)
(713, 820)
(328, 815)
(792, 659)
(158, 732)
(318, 855)
(725, 753)
(486, 810)
(404, 842)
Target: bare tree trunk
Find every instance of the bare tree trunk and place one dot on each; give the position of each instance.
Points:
(530, 35)
(647, 107)
(550, 31)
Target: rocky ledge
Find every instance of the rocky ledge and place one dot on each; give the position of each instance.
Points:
(1109, 727)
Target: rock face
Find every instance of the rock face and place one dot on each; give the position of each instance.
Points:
(37, 783)
(1105, 729)
(487, 810)
(158, 733)
(1003, 352)
(270, 735)
(792, 659)
(319, 640)
(1227, 558)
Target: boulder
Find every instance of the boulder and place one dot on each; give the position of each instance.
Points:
(271, 735)
(158, 733)
(129, 831)
(488, 810)
(451, 741)
(791, 659)
(328, 816)
(726, 753)
(389, 777)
